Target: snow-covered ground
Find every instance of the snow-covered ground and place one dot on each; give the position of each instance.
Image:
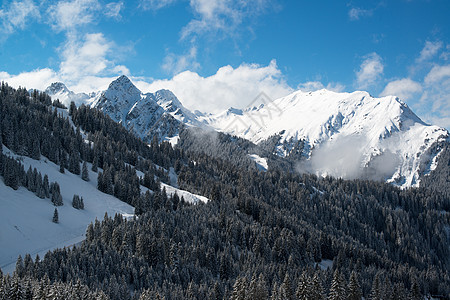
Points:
(261, 162)
(326, 264)
(173, 188)
(26, 221)
(188, 196)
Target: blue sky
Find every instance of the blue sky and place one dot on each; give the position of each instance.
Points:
(216, 54)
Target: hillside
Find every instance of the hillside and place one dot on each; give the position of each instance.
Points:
(26, 220)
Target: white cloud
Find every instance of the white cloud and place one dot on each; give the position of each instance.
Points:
(437, 73)
(221, 15)
(429, 50)
(356, 13)
(446, 54)
(85, 66)
(175, 64)
(38, 79)
(436, 97)
(229, 87)
(156, 4)
(67, 15)
(112, 10)
(404, 88)
(312, 86)
(88, 56)
(370, 71)
(17, 15)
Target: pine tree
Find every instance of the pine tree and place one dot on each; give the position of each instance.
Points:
(19, 266)
(55, 216)
(74, 161)
(85, 173)
(46, 186)
(415, 291)
(257, 289)
(76, 202)
(16, 290)
(354, 289)
(337, 290)
(375, 293)
(62, 162)
(56, 194)
(95, 164)
(286, 288)
(303, 288)
(316, 288)
(239, 289)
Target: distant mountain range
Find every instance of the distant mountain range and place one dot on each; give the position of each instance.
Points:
(350, 135)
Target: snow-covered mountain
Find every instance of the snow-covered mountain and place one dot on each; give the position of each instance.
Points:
(147, 114)
(58, 90)
(341, 134)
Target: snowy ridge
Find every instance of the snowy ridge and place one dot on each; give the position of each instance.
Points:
(58, 90)
(342, 133)
(158, 113)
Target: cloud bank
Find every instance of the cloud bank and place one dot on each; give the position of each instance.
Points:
(229, 87)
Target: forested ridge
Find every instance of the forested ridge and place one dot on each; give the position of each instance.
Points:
(263, 235)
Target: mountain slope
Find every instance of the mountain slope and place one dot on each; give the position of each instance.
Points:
(340, 134)
(26, 220)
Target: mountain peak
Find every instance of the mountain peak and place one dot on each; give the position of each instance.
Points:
(123, 83)
(57, 87)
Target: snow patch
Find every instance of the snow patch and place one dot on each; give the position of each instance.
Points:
(326, 264)
(173, 140)
(261, 162)
(188, 197)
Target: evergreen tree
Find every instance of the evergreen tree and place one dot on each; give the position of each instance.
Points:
(95, 164)
(55, 218)
(77, 202)
(85, 173)
(74, 161)
(337, 290)
(375, 293)
(46, 186)
(56, 194)
(316, 288)
(62, 162)
(354, 289)
(286, 292)
(16, 291)
(239, 289)
(415, 291)
(303, 287)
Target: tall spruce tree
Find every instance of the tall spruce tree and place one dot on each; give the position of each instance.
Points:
(55, 218)
(84, 172)
(354, 289)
